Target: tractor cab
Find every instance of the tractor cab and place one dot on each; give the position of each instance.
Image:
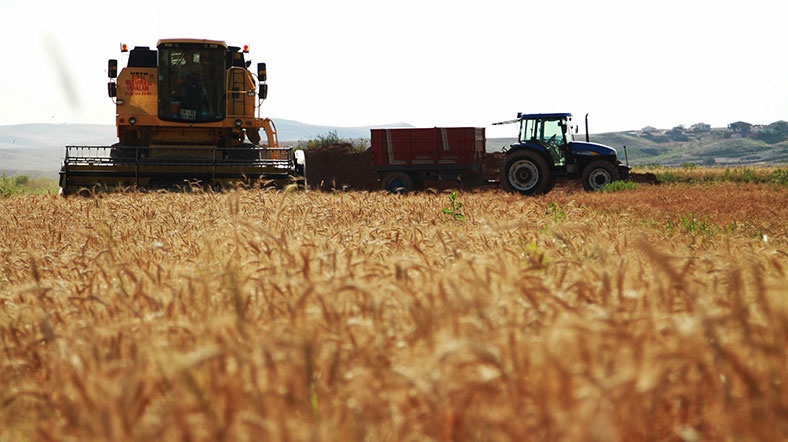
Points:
(553, 136)
(553, 132)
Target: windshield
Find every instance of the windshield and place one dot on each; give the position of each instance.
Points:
(527, 130)
(191, 83)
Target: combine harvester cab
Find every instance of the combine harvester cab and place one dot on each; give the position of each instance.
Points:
(185, 115)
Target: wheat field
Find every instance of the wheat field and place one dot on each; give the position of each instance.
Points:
(658, 313)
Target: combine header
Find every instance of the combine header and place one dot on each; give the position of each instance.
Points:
(185, 115)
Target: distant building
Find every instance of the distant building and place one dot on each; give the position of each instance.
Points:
(677, 134)
(698, 128)
(773, 133)
(653, 134)
(650, 130)
(740, 127)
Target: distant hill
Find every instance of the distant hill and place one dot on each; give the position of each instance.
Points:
(714, 147)
(677, 147)
(37, 149)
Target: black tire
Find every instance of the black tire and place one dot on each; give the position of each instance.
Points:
(527, 173)
(398, 182)
(550, 184)
(598, 174)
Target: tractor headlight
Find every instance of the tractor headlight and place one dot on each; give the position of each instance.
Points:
(238, 122)
(132, 121)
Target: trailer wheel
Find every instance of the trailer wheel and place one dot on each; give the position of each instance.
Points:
(398, 182)
(526, 173)
(598, 174)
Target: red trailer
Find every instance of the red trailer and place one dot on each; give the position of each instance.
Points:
(404, 159)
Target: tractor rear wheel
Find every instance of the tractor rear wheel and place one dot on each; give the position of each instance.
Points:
(598, 174)
(527, 173)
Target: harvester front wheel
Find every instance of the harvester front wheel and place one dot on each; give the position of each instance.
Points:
(527, 173)
(598, 174)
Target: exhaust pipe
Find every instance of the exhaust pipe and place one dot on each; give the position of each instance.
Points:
(626, 156)
(587, 139)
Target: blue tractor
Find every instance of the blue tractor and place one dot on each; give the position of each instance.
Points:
(546, 151)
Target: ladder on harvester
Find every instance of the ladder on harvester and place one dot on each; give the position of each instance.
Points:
(237, 94)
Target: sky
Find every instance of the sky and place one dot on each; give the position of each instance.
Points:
(346, 63)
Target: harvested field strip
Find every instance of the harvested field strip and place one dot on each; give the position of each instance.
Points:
(258, 315)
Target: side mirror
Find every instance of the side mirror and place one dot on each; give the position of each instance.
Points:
(261, 77)
(112, 69)
(112, 89)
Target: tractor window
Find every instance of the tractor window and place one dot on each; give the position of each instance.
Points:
(553, 133)
(545, 131)
(528, 130)
(191, 83)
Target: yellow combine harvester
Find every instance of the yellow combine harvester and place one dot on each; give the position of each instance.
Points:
(185, 115)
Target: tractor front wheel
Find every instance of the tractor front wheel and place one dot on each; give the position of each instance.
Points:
(599, 174)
